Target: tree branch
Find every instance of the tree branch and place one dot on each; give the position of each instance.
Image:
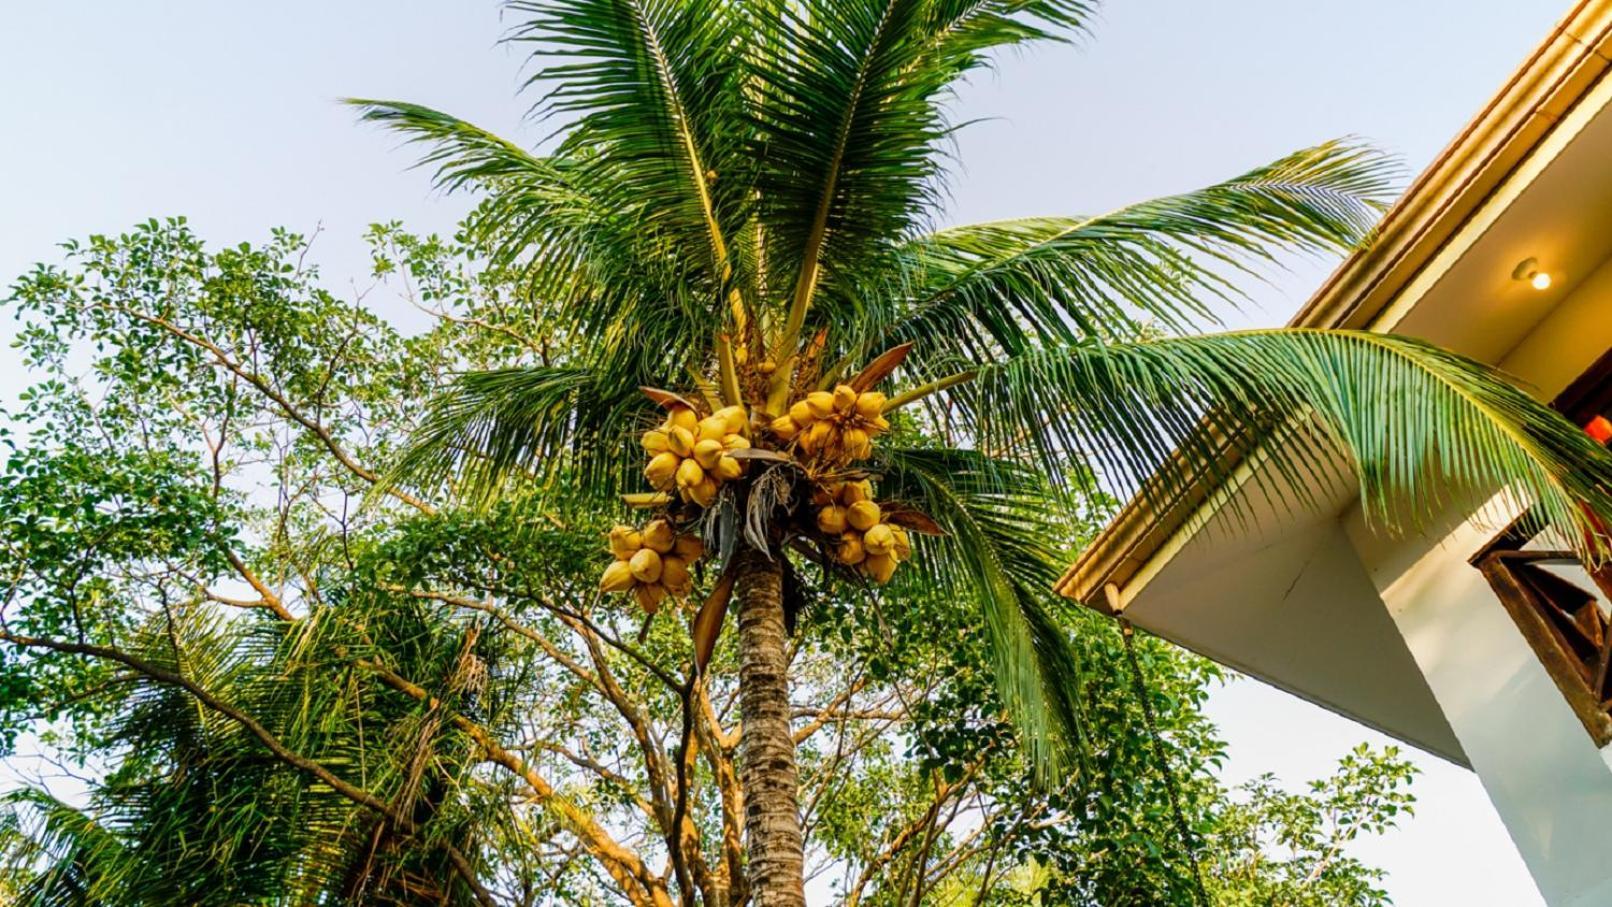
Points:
(629, 872)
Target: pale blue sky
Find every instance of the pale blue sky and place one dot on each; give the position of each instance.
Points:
(224, 112)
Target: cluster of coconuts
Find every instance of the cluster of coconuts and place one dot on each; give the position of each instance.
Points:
(837, 425)
(693, 455)
(850, 518)
(651, 563)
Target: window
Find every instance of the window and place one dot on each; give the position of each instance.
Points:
(1563, 609)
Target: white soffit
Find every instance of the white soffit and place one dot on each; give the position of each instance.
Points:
(1555, 207)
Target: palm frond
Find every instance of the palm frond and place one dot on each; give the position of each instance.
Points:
(1423, 428)
(553, 220)
(1001, 554)
(981, 290)
(63, 854)
(849, 120)
(534, 426)
(653, 86)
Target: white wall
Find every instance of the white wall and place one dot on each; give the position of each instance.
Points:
(1549, 782)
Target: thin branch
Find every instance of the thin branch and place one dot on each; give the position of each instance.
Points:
(286, 406)
(623, 865)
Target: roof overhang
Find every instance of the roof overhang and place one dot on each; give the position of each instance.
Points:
(1512, 127)
(1489, 190)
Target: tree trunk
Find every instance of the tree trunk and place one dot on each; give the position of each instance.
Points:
(774, 848)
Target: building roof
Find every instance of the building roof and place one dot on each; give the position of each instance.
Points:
(1554, 78)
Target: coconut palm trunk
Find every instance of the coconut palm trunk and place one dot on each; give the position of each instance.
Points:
(773, 842)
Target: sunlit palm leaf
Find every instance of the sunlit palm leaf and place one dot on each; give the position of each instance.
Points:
(654, 87)
(1423, 428)
(983, 289)
(1001, 555)
(849, 120)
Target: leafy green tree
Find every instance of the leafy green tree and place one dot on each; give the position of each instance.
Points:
(275, 695)
(1366, 796)
(739, 206)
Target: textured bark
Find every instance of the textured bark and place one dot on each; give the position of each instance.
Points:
(773, 844)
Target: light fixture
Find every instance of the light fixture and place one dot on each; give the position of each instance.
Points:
(1528, 269)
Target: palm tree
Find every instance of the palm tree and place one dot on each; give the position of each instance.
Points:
(736, 212)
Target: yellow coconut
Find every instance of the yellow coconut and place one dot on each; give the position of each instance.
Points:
(870, 405)
(879, 539)
(689, 473)
(826, 494)
(728, 469)
(735, 442)
(880, 425)
(903, 544)
(649, 596)
(680, 440)
(767, 366)
(785, 428)
(851, 492)
(674, 576)
(654, 441)
(879, 566)
(658, 536)
(707, 452)
(625, 541)
(820, 436)
(645, 565)
(802, 413)
(850, 550)
(617, 577)
(734, 418)
(662, 470)
(704, 493)
(831, 520)
(863, 515)
(844, 398)
(684, 418)
(856, 443)
(821, 403)
(711, 428)
(689, 547)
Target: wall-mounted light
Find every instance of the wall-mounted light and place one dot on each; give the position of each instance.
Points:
(1528, 269)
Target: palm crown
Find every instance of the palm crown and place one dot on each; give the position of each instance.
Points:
(738, 210)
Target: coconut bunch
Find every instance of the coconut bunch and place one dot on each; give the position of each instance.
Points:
(862, 539)
(693, 455)
(651, 563)
(838, 426)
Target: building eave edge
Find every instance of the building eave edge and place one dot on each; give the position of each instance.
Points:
(1554, 78)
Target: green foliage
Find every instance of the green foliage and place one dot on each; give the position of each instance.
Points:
(771, 174)
(160, 466)
(1423, 429)
(314, 602)
(1366, 796)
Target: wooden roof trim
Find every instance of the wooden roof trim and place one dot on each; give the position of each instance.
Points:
(1555, 77)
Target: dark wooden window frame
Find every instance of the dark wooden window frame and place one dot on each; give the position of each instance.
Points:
(1561, 622)
(1562, 626)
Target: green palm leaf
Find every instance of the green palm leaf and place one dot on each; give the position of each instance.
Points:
(1001, 554)
(849, 121)
(1423, 428)
(654, 87)
(67, 856)
(1010, 285)
(558, 223)
(532, 427)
